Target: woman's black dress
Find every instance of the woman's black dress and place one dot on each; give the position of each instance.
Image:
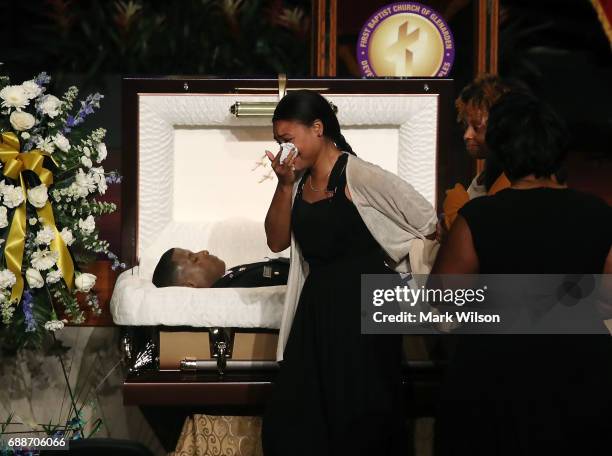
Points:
(522, 395)
(338, 391)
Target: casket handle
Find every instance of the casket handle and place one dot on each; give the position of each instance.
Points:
(221, 342)
(282, 85)
(266, 108)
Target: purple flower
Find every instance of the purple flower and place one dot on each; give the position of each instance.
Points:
(87, 108)
(42, 79)
(113, 178)
(27, 311)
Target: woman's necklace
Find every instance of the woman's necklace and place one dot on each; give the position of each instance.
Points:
(310, 183)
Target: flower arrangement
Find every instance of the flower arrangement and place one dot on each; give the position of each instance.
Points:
(50, 173)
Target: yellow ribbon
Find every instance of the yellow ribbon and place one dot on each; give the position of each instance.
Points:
(14, 164)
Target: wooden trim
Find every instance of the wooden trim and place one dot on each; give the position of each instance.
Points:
(252, 389)
(177, 389)
(333, 38)
(320, 20)
(493, 36)
(480, 37)
(129, 170)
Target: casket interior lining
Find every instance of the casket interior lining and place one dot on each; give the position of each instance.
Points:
(196, 160)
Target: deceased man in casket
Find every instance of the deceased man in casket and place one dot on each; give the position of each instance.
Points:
(183, 268)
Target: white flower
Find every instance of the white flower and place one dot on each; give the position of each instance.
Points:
(61, 142)
(33, 221)
(88, 225)
(34, 278)
(7, 279)
(83, 184)
(22, 120)
(54, 325)
(86, 162)
(102, 152)
(45, 145)
(3, 218)
(50, 105)
(85, 282)
(37, 196)
(13, 196)
(54, 276)
(25, 135)
(31, 89)
(67, 236)
(87, 151)
(43, 259)
(14, 97)
(45, 235)
(97, 175)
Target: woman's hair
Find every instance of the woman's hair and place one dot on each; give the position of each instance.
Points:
(306, 106)
(526, 136)
(481, 94)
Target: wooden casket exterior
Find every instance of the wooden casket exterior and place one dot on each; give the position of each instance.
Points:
(384, 120)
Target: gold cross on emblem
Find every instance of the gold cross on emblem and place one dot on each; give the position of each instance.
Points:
(400, 53)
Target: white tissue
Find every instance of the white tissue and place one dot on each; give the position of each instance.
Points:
(286, 148)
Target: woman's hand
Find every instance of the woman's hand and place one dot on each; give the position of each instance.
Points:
(285, 171)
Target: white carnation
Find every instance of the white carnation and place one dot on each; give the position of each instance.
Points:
(21, 120)
(85, 282)
(102, 152)
(34, 278)
(45, 145)
(44, 259)
(13, 196)
(88, 225)
(54, 325)
(14, 97)
(86, 161)
(83, 184)
(31, 89)
(67, 236)
(50, 105)
(97, 174)
(7, 279)
(38, 196)
(45, 235)
(61, 142)
(54, 276)
(3, 217)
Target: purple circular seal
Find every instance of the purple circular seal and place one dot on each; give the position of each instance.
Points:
(405, 39)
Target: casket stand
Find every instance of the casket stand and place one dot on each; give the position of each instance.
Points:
(194, 178)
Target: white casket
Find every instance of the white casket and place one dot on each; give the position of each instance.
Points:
(194, 177)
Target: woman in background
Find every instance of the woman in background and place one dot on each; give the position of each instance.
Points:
(338, 391)
(473, 106)
(530, 394)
